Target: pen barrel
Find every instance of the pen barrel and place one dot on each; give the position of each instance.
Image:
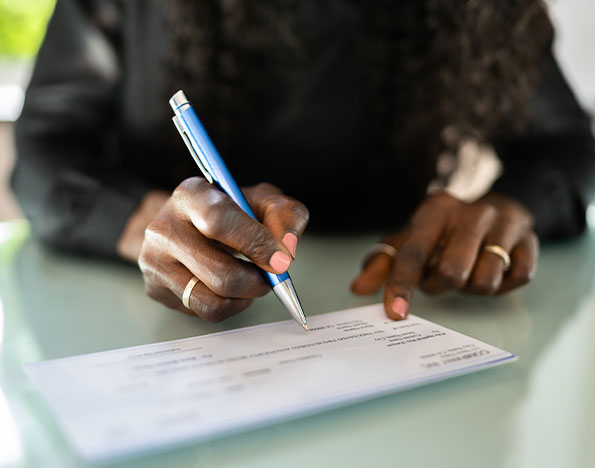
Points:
(213, 163)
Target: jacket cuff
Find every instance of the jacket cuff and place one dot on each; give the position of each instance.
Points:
(87, 216)
(106, 220)
(557, 209)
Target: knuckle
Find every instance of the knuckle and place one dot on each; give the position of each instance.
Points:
(146, 264)
(471, 236)
(300, 210)
(186, 189)
(413, 253)
(437, 203)
(261, 245)
(508, 223)
(158, 235)
(265, 187)
(441, 200)
(277, 203)
(216, 215)
(287, 204)
(155, 282)
(427, 288)
(485, 287)
(521, 276)
(226, 281)
(159, 231)
(511, 219)
(521, 281)
(214, 314)
(453, 275)
(192, 184)
(163, 296)
(485, 211)
(212, 309)
(403, 286)
(152, 291)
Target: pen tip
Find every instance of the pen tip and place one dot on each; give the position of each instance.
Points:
(305, 327)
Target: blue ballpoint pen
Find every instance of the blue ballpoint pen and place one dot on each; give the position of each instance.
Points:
(213, 168)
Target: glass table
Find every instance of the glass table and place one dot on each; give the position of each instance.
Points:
(536, 412)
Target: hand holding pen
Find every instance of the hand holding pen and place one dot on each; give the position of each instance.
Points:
(195, 235)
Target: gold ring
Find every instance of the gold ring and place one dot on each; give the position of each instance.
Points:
(496, 249)
(188, 290)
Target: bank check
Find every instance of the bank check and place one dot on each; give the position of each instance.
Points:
(126, 402)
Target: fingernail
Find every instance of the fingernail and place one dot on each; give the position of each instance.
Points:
(290, 240)
(399, 307)
(280, 262)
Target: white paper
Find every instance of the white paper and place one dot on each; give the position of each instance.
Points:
(142, 399)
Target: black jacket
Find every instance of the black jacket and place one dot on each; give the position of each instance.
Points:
(91, 138)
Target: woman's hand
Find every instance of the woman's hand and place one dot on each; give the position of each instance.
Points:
(442, 248)
(197, 232)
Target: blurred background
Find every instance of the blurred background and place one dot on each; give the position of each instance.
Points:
(22, 26)
(23, 22)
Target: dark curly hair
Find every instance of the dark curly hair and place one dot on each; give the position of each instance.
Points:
(469, 65)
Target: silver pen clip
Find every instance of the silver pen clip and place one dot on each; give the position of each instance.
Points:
(196, 157)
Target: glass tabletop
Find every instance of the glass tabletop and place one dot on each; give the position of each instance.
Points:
(538, 411)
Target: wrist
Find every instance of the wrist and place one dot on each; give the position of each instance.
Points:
(130, 241)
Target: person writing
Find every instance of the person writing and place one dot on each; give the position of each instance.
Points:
(330, 114)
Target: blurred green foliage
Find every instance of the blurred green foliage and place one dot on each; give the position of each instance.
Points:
(22, 26)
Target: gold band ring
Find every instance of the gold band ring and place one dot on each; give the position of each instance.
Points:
(496, 249)
(188, 290)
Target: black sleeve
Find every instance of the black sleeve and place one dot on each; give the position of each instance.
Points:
(67, 175)
(551, 166)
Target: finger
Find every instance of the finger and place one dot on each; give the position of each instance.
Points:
(410, 261)
(212, 307)
(219, 218)
(166, 297)
(459, 254)
(284, 216)
(374, 275)
(376, 267)
(220, 271)
(203, 302)
(486, 277)
(523, 264)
